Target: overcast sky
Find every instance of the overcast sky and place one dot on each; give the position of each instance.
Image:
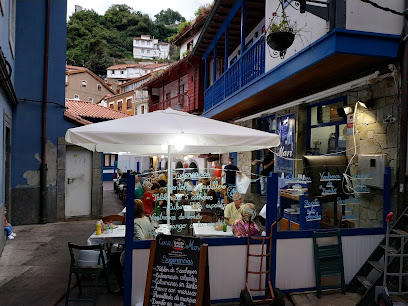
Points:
(151, 7)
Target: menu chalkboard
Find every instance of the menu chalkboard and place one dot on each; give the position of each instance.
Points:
(176, 271)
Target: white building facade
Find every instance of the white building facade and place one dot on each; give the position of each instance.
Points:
(145, 47)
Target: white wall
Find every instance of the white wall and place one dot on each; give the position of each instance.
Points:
(312, 29)
(129, 162)
(172, 88)
(183, 47)
(295, 259)
(365, 17)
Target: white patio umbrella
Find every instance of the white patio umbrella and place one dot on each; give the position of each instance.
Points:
(163, 131)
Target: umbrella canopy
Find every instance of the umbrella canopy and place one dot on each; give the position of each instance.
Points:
(151, 133)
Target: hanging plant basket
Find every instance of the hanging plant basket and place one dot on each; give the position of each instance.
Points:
(280, 41)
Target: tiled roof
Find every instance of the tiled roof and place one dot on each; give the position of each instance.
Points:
(123, 66)
(154, 66)
(140, 65)
(76, 118)
(135, 80)
(69, 68)
(92, 110)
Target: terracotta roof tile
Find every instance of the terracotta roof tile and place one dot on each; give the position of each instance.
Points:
(92, 110)
(76, 118)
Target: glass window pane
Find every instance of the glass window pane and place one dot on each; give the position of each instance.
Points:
(322, 139)
(112, 160)
(325, 113)
(107, 159)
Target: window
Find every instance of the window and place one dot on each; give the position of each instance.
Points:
(109, 160)
(135, 111)
(137, 42)
(142, 50)
(120, 105)
(142, 109)
(122, 72)
(167, 96)
(111, 105)
(190, 46)
(148, 43)
(142, 42)
(326, 130)
(129, 103)
(147, 51)
(12, 25)
(99, 87)
(83, 84)
(90, 99)
(76, 97)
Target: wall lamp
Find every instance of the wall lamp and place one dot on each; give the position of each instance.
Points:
(347, 110)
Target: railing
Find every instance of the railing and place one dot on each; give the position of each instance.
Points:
(247, 68)
(173, 102)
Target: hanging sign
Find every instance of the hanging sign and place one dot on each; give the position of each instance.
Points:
(285, 152)
(350, 124)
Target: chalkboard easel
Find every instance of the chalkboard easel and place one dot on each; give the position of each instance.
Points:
(178, 272)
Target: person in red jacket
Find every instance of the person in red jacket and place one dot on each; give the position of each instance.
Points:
(148, 199)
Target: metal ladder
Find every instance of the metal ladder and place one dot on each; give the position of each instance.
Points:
(371, 273)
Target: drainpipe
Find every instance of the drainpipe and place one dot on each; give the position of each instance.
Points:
(43, 166)
(403, 123)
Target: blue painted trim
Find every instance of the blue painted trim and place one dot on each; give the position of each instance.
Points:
(344, 232)
(226, 49)
(215, 64)
(328, 102)
(243, 21)
(227, 21)
(337, 41)
(272, 195)
(205, 74)
(127, 298)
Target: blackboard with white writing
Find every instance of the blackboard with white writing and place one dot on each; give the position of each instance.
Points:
(173, 275)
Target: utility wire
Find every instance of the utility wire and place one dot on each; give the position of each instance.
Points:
(40, 101)
(383, 8)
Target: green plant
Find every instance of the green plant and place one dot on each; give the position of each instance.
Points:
(281, 23)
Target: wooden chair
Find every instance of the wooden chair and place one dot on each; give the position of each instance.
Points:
(93, 262)
(328, 221)
(114, 218)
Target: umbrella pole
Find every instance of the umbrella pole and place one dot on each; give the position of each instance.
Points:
(169, 184)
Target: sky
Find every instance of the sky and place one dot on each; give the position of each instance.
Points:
(151, 7)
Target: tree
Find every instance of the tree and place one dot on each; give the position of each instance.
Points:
(168, 17)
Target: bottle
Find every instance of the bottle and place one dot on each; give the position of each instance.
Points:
(101, 223)
(98, 228)
(106, 227)
(224, 226)
(157, 209)
(110, 226)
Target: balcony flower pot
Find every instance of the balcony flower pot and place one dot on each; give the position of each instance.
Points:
(280, 41)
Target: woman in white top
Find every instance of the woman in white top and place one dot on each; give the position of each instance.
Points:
(143, 229)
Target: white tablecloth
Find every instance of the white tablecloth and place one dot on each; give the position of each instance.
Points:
(189, 211)
(117, 235)
(206, 230)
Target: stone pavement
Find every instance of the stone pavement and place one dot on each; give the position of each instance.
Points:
(34, 266)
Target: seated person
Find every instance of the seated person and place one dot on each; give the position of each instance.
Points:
(139, 192)
(248, 222)
(7, 227)
(143, 229)
(161, 205)
(232, 211)
(199, 188)
(149, 198)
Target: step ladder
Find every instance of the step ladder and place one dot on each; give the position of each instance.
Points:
(371, 273)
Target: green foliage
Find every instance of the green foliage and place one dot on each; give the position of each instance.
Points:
(99, 41)
(282, 24)
(168, 17)
(183, 25)
(203, 9)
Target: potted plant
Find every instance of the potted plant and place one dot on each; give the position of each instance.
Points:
(281, 32)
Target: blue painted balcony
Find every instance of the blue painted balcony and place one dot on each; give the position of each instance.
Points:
(242, 72)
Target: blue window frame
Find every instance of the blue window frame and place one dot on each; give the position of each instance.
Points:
(326, 130)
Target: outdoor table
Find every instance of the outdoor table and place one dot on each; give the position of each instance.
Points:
(116, 235)
(206, 230)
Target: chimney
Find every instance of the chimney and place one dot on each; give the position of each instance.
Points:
(78, 8)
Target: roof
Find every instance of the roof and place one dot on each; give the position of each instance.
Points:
(135, 80)
(255, 12)
(75, 69)
(140, 65)
(167, 73)
(91, 110)
(195, 26)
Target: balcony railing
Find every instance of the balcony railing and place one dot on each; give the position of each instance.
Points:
(247, 68)
(183, 100)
